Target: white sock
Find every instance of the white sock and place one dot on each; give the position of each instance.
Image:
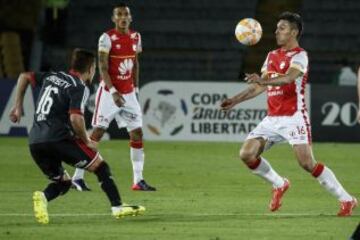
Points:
(137, 159)
(265, 171)
(78, 174)
(328, 180)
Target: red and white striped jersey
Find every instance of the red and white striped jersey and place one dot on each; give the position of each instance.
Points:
(286, 99)
(122, 49)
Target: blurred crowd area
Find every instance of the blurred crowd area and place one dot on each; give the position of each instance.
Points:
(182, 39)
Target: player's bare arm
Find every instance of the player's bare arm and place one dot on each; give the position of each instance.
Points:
(290, 76)
(78, 124)
(22, 83)
(136, 70)
(104, 68)
(252, 91)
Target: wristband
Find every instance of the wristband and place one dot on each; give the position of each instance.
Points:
(137, 90)
(113, 90)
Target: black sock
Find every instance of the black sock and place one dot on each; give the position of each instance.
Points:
(55, 189)
(108, 185)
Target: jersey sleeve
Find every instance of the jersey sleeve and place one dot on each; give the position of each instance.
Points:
(139, 44)
(104, 43)
(78, 98)
(36, 78)
(264, 67)
(300, 62)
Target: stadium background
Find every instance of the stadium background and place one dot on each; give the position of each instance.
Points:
(192, 41)
(189, 41)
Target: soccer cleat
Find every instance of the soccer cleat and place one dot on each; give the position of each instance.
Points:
(142, 186)
(277, 194)
(128, 210)
(80, 185)
(40, 207)
(347, 207)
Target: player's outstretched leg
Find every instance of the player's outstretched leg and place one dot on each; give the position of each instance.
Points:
(328, 180)
(108, 185)
(137, 159)
(280, 185)
(249, 154)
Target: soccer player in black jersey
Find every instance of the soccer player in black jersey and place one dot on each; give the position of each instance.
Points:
(58, 133)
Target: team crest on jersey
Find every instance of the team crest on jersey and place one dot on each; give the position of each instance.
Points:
(114, 37)
(117, 46)
(282, 65)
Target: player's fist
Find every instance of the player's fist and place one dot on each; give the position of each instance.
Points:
(15, 114)
(118, 99)
(227, 104)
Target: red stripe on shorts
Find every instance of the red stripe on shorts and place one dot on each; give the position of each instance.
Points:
(97, 106)
(88, 151)
(307, 124)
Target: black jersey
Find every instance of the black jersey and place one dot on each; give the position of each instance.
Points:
(60, 95)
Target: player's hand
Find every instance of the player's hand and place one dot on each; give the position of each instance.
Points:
(118, 99)
(15, 114)
(92, 145)
(253, 78)
(227, 104)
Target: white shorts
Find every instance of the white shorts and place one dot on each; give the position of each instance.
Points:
(128, 116)
(295, 129)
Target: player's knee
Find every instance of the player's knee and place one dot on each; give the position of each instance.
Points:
(96, 163)
(136, 135)
(247, 155)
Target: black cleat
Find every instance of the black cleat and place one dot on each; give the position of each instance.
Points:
(80, 185)
(142, 186)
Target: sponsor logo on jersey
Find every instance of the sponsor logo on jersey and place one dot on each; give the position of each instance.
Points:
(125, 68)
(282, 65)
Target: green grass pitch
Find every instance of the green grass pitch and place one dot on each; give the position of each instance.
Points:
(204, 192)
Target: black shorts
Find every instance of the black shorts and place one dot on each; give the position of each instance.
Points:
(49, 156)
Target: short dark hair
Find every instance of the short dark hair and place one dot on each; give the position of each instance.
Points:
(120, 5)
(82, 60)
(294, 19)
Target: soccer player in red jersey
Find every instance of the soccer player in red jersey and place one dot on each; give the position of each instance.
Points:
(284, 76)
(116, 96)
